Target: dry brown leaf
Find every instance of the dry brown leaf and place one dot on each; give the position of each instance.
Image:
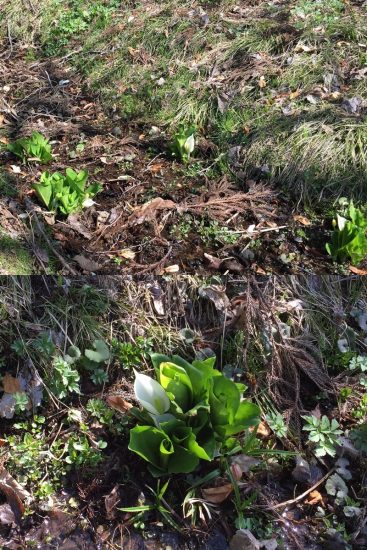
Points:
(236, 472)
(119, 403)
(172, 269)
(262, 82)
(155, 168)
(295, 94)
(259, 269)
(214, 262)
(263, 429)
(14, 493)
(304, 48)
(357, 270)
(86, 264)
(314, 498)
(14, 501)
(301, 219)
(127, 254)
(148, 211)
(216, 495)
(11, 384)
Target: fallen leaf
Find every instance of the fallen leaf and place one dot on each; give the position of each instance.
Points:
(127, 254)
(158, 297)
(244, 540)
(262, 82)
(14, 493)
(75, 223)
(217, 295)
(57, 524)
(314, 498)
(245, 462)
(259, 269)
(16, 169)
(303, 48)
(301, 472)
(295, 94)
(357, 270)
(312, 99)
(236, 472)
(216, 495)
(7, 405)
(301, 219)
(263, 429)
(214, 262)
(148, 211)
(11, 384)
(352, 105)
(172, 269)
(118, 403)
(86, 264)
(155, 168)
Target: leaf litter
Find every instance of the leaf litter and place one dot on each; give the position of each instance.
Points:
(138, 206)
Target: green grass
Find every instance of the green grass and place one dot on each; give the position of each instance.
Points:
(15, 259)
(311, 150)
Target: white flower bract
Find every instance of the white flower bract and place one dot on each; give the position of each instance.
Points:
(150, 394)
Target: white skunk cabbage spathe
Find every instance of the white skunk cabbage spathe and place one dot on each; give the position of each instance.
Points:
(88, 202)
(189, 144)
(150, 394)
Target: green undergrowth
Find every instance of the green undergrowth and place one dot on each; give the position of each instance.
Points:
(272, 82)
(83, 343)
(15, 258)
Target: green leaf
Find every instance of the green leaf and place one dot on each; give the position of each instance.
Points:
(100, 353)
(176, 381)
(35, 147)
(146, 442)
(224, 400)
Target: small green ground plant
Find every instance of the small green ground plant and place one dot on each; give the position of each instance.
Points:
(34, 148)
(66, 193)
(191, 413)
(183, 143)
(323, 433)
(349, 241)
(67, 369)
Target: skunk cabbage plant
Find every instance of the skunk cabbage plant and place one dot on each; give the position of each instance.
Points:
(190, 413)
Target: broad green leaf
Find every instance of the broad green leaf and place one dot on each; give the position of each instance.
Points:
(182, 461)
(146, 442)
(224, 400)
(175, 380)
(100, 353)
